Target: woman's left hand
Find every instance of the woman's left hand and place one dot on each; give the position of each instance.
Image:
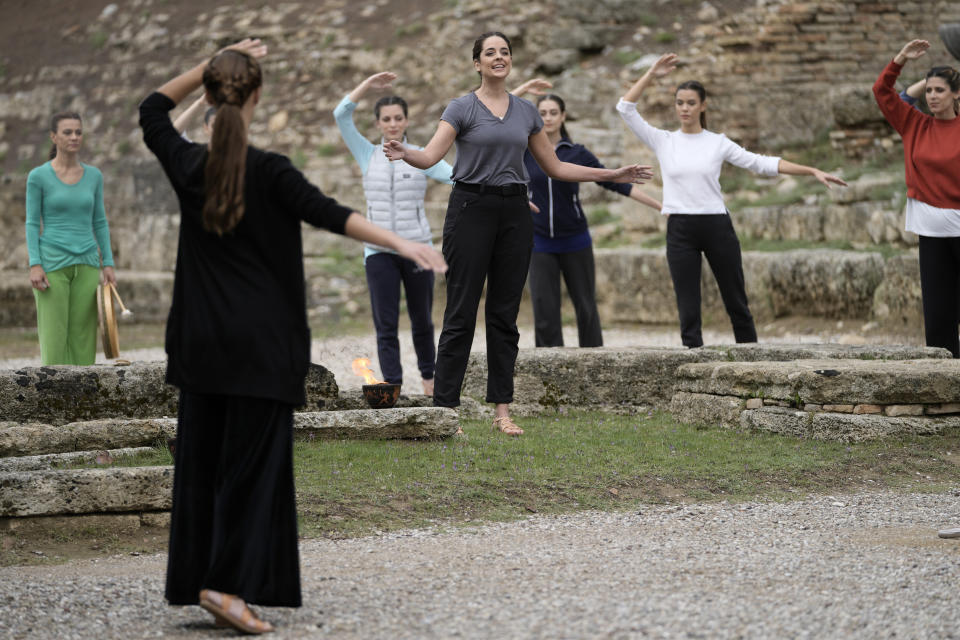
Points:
(534, 208)
(424, 255)
(251, 46)
(828, 178)
(536, 86)
(635, 173)
(109, 276)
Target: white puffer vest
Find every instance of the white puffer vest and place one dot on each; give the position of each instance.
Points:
(395, 192)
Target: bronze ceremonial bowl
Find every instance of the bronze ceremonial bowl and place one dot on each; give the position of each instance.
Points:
(950, 34)
(381, 396)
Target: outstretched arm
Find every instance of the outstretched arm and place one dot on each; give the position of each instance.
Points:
(377, 82)
(359, 228)
(428, 156)
(546, 157)
(642, 198)
(664, 65)
(794, 169)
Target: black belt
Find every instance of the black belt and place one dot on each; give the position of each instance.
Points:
(515, 189)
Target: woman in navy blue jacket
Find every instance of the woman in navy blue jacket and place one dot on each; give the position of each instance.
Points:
(561, 240)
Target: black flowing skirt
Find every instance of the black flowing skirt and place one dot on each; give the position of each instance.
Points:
(234, 523)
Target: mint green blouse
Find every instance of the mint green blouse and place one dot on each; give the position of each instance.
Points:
(66, 223)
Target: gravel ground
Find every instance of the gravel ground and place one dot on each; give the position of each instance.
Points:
(851, 566)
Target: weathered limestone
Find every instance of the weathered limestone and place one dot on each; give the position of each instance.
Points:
(35, 439)
(114, 523)
(847, 400)
(120, 489)
(826, 382)
(54, 460)
(548, 379)
(841, 426)
(61, 394)
(379, 424)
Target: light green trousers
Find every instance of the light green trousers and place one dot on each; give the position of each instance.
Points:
(67, 315)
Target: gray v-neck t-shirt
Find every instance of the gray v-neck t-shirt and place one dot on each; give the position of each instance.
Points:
(490, 150)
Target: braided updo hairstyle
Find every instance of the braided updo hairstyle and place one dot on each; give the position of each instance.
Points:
(229, 79)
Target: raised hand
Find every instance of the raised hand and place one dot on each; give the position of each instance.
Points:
(664, 65)
(914, 49)
(251, 46)
(380, 81)
(394, 150)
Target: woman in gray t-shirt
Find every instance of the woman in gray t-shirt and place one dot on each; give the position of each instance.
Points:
(488, 232)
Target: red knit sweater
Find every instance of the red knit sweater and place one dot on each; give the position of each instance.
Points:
(931, 147)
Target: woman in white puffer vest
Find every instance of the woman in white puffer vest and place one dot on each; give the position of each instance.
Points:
(394, 193)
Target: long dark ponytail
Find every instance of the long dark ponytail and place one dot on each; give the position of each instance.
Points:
(55, 124)
(229, 79)
(693, 85)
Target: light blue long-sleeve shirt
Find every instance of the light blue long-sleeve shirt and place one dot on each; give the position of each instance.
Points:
(362, 149)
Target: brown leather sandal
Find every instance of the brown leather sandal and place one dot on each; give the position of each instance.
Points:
(505, 425)
(231, 611)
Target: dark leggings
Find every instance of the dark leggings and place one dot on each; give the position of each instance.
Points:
(939, 280)
(712, 235)
(578, 271)
(385, 273)
(486, 237)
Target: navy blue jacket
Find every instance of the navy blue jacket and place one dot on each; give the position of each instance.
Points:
(559, 202)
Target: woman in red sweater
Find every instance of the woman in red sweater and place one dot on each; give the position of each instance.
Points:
(931, 152)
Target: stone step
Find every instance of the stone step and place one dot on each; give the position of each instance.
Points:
(76, 491)
(829, 381)
(378, 424)
(62, 394)
(831, 399)
(36, 439)
(54, 460)
(605, 378)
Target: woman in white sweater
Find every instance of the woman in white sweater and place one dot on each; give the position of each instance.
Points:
(699, 223)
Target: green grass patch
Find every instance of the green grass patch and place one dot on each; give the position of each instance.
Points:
(625, 57)
(587, 461)
(599, 215)
(665, 37)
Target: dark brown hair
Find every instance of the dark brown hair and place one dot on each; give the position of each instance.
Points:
(229, 79)
(693, 85)
(563, 109)
(55, 124)
(386, 101)
(478, 45)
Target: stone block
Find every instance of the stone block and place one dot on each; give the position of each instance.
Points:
(894, 410)
(824, 282)
(62, 394)
(953, 407)
(829, 382)
(95, 435)
(115, 523)
(867, 408)
(75, 491)
(838, 408)
(842, 427)
(898, 301)
(706, 410)
(377, 424)
(754, 403)
(54, 460)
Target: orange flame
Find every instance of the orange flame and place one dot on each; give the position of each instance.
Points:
(361, 367)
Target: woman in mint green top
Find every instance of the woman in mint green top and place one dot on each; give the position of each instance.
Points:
(67, 241)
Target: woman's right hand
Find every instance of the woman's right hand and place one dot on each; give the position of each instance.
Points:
(378, 82)
(38, 278)
(424, 255)
(635, 173)
(911, 51)
(251, 46)
(664, 65)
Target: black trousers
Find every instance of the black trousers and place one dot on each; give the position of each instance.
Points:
(486, 237)
(939, 281)
(385, 273)
(579, 274)
(234, 523)
(689, 237)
